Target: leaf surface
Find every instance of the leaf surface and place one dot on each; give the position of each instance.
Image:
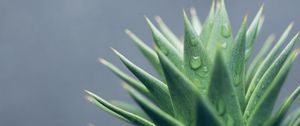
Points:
(186, 96)
(197, 64)
(223, 94)
(172, 38)
(264, 105)
(252, 32)
(159, 117)
(269, 59)
(165, 46)
(125, 115)
(208, 26)
(221, 32)
(130, 108)
(195, 21)
(237, 63)
(158, 89)
(125, 77)
(258, 59)
(147, 52)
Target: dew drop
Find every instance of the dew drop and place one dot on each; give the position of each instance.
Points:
(233, 94)
(247, 114)
(203, 91)
(259, 94)
(164, 50)
(197, 81)
(224, 45)
(237, 80)
(205, 69)
(251, 89)
(225, 30)
(221, 107)
(263, 86)
(257, 80)
(195, 62)
(203, 72)
(194, 41)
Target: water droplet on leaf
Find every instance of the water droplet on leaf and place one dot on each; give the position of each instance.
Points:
(203, 72)
(237, 80)
(225, 30)
(194, 41)
(247, 114)
(263, 86)
(224, 45)
(164, 50)
(203, 91)
(205, 69)
(221, 107)
(195, 62)
(233, 94)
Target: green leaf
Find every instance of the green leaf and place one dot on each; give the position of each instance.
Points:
(196, 61)
(206, 115)
(257, 111)
(183, 92)
(268, 60)
(158, 89)
(292, 118)
(221, 32)
(259, 59)
(208, 25)
(147, 52)
(184, 95)
(237, 63)
(159, 117)
(281, 112)
(92, 100)
(223, 94)
(287, 104)
(125, 115)
(252, 32)
(297, 122)
(130, 108)
(125, 77)
(164, 45)
(270, 74)
(195, 21)
(172, 38)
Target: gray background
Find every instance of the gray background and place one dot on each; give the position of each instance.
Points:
(49, 51)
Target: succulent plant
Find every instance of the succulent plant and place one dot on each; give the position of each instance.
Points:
(205, 79)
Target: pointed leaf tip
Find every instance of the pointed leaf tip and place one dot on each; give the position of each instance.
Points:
(150, 24)
(115, 51)
(158, 19)
(128, 32)
(184, 14)
(157, 88)
(159, 117)
(262, 7)
(118, 112)
(193, 12)
(88, 92)
(102, 61)
(245, 19)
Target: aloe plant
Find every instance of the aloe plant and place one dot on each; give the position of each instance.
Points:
(204, 79)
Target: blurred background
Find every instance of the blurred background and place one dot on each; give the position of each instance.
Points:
(49, 52)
